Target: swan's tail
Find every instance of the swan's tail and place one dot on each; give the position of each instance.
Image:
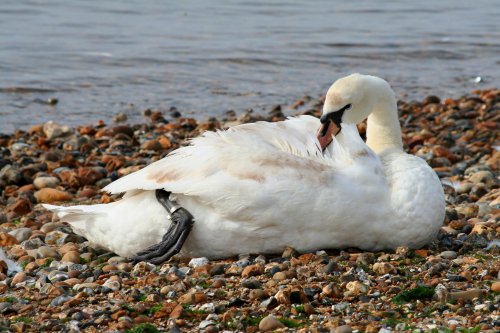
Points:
(74, 213)
(79, 217)
(125, 227)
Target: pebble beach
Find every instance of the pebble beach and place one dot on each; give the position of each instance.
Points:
(53, 280)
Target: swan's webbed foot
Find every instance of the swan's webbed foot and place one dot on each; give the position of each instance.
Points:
(176, 235)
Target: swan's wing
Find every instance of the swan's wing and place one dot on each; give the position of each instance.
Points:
(250, 171)
(244, 152)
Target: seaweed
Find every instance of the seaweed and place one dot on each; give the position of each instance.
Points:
(420, 292)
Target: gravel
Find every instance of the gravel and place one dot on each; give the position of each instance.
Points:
(70, 285)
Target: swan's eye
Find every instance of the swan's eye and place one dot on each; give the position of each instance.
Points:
(347, 107)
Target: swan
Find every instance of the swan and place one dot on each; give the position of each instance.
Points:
(304, 182)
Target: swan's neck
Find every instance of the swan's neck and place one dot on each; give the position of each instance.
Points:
(383, 130)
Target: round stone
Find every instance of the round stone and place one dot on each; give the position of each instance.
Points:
(18, 278)
(111, 284)
(343, 329)
(48, 195)
(270, 323)
(448, 255)
(21, 234)
(47, 252)
(279, 276)
(196, 262)
(44, 182)
(71, 256)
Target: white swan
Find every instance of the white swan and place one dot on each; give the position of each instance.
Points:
(257, 188)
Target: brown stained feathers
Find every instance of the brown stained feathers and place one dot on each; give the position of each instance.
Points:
(164, 176)
(361, 153)
(333, 98)
(255, 176)
(304, 168)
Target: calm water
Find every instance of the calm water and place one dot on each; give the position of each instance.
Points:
(206, 57)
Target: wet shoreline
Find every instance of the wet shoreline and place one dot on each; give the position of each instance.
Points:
(31, 105)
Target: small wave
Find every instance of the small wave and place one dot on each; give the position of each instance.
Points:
(361, 45)
(408, 55)
(26, 90)
(99, 54)
(247, 61)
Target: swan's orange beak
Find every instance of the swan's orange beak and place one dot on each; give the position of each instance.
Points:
(326, 133)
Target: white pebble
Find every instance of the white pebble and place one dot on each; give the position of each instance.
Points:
(480, 307)
(196, 262)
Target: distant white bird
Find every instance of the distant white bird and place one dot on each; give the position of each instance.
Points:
(257, 188)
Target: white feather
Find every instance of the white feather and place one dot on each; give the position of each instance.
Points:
(12, 266)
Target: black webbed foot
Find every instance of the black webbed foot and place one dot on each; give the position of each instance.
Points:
(176, 235)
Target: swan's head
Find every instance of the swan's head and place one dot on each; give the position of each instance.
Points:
(350, 100)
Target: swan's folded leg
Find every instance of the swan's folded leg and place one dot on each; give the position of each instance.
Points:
(176, 235)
